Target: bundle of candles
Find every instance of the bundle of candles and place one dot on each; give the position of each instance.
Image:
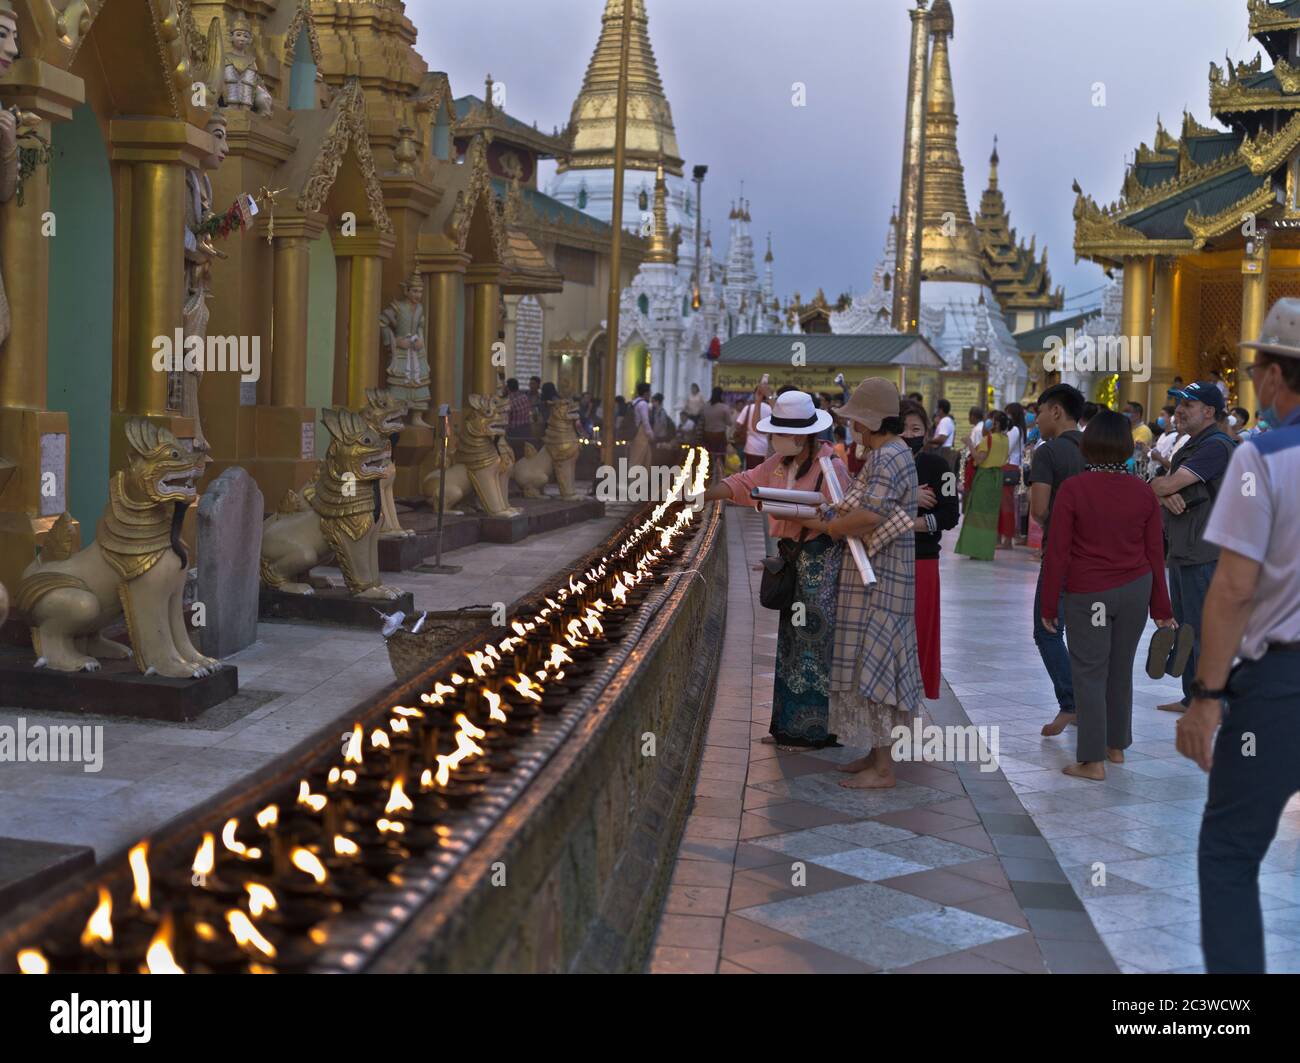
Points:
(260, 899)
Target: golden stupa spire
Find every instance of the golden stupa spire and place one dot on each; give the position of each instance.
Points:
(949, 243)
(661, 248)
(650, 133)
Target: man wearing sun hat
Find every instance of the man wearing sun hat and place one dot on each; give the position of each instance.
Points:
(1252, 614)
(1187, 493)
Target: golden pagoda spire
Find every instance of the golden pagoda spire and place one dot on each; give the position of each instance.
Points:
(661, 248)
(949, 245)
(906, 308)
(993, 166)
(650, 133)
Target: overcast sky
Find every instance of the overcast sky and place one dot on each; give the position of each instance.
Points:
(822, 178)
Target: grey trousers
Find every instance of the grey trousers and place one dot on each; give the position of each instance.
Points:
(1105, 628)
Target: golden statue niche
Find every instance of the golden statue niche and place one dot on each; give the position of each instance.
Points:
(385, 413)
(402, 331)
(336, 517)
(241, 84)
(136, 566)
(480, 464)
(558, 457)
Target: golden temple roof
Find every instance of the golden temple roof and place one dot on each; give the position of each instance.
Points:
(950, 246)
(650, 133)
(1019, 277)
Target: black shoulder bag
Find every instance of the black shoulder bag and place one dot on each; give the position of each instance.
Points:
(779, 586)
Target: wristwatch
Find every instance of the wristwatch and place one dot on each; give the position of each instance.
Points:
(1199, 690)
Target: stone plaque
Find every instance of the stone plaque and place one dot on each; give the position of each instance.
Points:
(248, 393)
(54, 473)
(308, 450)
(229, 548)
(528, 339)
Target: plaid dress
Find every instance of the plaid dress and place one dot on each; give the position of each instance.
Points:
(875, 675)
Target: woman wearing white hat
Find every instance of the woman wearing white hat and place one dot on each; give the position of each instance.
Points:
(800, 687)
(875, 673)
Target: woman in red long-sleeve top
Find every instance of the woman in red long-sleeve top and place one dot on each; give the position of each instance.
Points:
(1106, 551)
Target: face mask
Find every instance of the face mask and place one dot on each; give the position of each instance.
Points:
(988, 426)
(787, 446)
(1161, 422)
(915, 442)
(1232, 420)
(1030, 418)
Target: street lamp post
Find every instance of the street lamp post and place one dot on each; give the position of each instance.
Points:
(616, 241)
(700, 171)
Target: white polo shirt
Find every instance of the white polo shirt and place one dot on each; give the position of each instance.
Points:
(1257, 515)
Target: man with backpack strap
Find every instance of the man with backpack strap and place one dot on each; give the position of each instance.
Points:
(1187, 494)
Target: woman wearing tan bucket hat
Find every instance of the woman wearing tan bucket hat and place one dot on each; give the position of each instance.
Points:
(875, 674)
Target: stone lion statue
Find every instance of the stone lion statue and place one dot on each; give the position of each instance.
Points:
(136, 566)
(481, 461)
(558, 456)
(338, 517)
(385, 412)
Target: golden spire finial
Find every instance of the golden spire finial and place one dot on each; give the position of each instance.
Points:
(650, 131)
(661, 249)
(487, 93)
(768, 256)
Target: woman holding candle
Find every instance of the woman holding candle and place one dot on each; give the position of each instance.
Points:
(875, 681)
(800, 687)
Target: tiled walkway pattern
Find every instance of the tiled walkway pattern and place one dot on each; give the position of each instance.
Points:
(954, 870)
(782, 870)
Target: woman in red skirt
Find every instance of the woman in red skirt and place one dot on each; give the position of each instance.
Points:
(937, 511)
(1008, 516)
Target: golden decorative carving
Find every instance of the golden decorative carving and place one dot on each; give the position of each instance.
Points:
(1193, 128)
(1288, 76)
(1204, 228)
(136, 566)
(348, 128)
(386, 413)
(478, 186)
(1098, 233)
(1265, 18)
(302, 20)
(72, 20)
(1269, 150)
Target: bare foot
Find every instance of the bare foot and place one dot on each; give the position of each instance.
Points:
(854, 766)
(1092, 769)
(1115, 756)
(1173, 706)
(1059, 724)
(869, 780)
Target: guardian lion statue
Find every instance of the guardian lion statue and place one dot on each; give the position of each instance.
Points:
(558, 456)
(136, 566)
(338, 517)
(481, 461)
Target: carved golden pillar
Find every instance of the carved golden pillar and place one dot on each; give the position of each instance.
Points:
(34, 442)
(485, 324)
(366, 251)
(289, 314)
(444, 276)
(1254, 308)
(152, 155)
(1164, 338)
(1136, 323)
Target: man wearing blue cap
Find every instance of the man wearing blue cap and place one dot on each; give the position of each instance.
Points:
(1252, 614)
(1187, 494)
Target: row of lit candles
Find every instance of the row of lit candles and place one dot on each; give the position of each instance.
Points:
(491, 665)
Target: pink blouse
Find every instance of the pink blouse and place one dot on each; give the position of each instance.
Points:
(773, 473)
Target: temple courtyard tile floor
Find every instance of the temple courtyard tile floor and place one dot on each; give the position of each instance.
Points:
(293, 681)
(781, 870)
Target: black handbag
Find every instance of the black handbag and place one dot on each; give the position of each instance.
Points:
(1011, 477)
(779, 586)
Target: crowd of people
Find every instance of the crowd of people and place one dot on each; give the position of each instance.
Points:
(1185, 528)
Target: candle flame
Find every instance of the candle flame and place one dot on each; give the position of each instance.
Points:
(205, 857)
(268, 817)
(159, 958)
(465, 747)
(518, 627)
(33, 961)
(345, 846)
(494, 706)
(353, 754)
(307, 861)
(313, 801)
(232, 843)
(399, 726)
(245, 933)
(526, 687)
(478, 661)
(260, 898)
(138, 858)
(391, 826)
(99, 927)
(468, 728)
(402, 710)
(619, 593)
(379, 739)
(558, 656)
(397, 799)
(491, 651)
